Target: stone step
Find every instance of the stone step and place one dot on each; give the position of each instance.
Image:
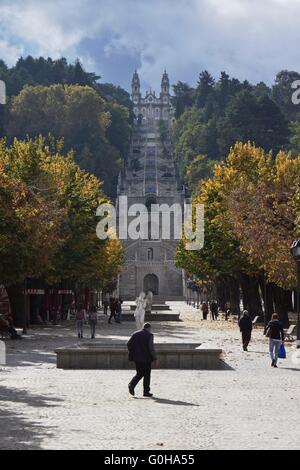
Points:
(150, 317)
(155, 307)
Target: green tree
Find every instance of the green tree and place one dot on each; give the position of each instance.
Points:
(76, 113)
(183, 98)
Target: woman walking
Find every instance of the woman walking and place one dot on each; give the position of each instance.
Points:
(275, 334)
(246, 326)
(80, 318)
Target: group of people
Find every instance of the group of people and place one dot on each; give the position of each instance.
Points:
(210, 307)
(274, 331)
(89, 316)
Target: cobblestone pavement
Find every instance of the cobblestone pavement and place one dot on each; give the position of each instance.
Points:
(248, 406)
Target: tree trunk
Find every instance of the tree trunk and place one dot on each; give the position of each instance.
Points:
(17, 304)
(251, 295)
(282, 303)
(221, 292)
(269, 303)
(267, 295)
(234, 290)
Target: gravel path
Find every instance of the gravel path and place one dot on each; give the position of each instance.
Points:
(248, 406)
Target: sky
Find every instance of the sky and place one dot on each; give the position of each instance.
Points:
(249, 39)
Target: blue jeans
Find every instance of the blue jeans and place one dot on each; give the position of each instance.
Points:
(274, 346)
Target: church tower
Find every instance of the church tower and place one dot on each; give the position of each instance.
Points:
(136, 88)
(165, 87)
(150, 177)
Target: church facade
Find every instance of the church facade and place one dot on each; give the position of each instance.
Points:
(150, 178)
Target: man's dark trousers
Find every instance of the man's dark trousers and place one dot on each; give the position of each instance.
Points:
(143, 370)
(246, 337)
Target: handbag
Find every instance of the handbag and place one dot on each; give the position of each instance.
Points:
(282, 352)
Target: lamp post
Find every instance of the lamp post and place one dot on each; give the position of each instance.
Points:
(295, 251)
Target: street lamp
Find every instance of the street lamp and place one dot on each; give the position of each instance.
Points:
(295, 251)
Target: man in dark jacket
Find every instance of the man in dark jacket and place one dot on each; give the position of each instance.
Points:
(141, 351)
(214, 310)
(275, 333)
(246, 326)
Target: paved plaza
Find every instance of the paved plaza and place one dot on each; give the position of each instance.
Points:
(249, 405)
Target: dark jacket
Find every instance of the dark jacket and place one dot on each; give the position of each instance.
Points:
(119, 307)
(245, 323)
(214, 307)
(141, 347)
(276, 330)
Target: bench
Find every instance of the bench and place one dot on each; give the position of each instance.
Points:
(258, 321)
(289, 333)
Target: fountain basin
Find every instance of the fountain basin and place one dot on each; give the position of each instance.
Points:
(191, 356)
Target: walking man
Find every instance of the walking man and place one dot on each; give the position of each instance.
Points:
(275, 333)
(141, 351)
(214, 310)
(112, 308)
(245, 324)
(119, 310)
(204, 310)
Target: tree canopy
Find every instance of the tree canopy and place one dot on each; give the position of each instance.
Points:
(48, 218)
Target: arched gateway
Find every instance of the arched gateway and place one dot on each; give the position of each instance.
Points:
(151, 283)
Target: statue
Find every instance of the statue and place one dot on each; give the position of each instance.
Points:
(149, 301)
(139, 313)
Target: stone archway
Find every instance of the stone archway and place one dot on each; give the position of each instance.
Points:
(151, 282)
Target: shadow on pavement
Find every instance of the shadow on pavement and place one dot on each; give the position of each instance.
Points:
(16, 431)
(165, 401)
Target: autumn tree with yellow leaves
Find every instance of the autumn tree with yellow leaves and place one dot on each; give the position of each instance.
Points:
(251, 215)
(48, 219)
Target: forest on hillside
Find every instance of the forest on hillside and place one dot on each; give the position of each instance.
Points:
(54, 97)
(217, 113)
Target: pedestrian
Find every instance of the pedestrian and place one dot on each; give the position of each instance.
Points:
(93, 319)
(214, 310)
(246, 326)
(204, 307)
(119, 310)
(112, 308)
(227, 310)
(105, 306)
(142, 352)
(275, 333)
(80, 318)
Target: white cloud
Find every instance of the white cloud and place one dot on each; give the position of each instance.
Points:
(247, 38)
(8, 52)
